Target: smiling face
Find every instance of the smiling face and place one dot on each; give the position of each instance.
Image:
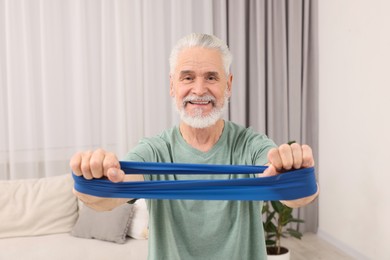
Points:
(200, 86)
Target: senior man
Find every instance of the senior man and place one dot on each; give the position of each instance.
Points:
(200, 85)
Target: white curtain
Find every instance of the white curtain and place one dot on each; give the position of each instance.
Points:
(77, 75)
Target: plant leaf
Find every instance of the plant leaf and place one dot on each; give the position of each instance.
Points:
(265, 208)
(297, 220)
(270, 242)
(271, 216)
(294, 233)
(277, 206)
(269, 227)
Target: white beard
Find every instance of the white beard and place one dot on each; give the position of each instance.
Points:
(198, 120)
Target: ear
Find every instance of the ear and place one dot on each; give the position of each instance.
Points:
(171, 86)
(229, 85)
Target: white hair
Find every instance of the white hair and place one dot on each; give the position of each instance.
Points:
(201, 40)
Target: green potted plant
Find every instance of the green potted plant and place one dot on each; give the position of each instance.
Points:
(276, 217)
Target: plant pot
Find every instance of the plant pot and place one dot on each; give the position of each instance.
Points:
(284, 254)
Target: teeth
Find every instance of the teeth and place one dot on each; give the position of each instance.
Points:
(200, 102)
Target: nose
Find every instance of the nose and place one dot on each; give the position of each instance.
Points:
(199, 88)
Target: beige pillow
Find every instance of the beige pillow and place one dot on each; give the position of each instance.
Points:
(104, 225)
(139, 227)
(42, 206)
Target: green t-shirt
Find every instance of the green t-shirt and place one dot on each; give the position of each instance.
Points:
(195, 229)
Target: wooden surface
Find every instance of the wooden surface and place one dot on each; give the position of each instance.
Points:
(312, 247)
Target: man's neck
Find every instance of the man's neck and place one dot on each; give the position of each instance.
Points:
(202, 139)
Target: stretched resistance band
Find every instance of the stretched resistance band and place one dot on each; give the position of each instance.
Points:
(287, 186)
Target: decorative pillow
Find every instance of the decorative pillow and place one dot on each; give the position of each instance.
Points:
(104, 225)
(139, 228)
(32, 207)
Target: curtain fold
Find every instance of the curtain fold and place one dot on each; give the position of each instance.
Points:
(275, 85)
(76, 75)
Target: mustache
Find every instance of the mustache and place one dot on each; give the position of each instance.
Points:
(194, 98)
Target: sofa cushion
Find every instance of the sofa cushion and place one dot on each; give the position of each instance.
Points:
(104, 225)
(41, 206)
(139, 226)
(66, 247)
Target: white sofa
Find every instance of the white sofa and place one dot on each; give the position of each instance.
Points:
(42, 219)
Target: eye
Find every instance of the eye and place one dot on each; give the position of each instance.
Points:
(212, 77)
(186, 78)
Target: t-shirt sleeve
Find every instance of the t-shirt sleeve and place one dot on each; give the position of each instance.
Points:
(261, 146)
(148, 150)
(138, 153)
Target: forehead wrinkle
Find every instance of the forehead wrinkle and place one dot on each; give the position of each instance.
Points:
(183, 72)
(186, 72)
(199, 59)
(198, 67)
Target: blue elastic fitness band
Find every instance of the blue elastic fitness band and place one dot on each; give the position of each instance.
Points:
(287, 186)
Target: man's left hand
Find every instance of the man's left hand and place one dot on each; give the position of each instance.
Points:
(288, 157)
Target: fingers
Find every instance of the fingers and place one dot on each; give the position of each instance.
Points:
(85, 165)
(96, 164)
(287, 157)
(275, 159)
(101, 161)
(110, 161)
(79, 164)
(112, 168)
(116, 175)
(307, 157)
(75, 163)
(297, 155)
(282, 158)
(270, 171)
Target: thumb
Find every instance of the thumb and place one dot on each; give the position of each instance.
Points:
(270, 171)
(115, 175)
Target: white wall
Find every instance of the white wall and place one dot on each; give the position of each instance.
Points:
(354, 153)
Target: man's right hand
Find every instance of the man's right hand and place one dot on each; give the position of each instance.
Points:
(97, 164)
